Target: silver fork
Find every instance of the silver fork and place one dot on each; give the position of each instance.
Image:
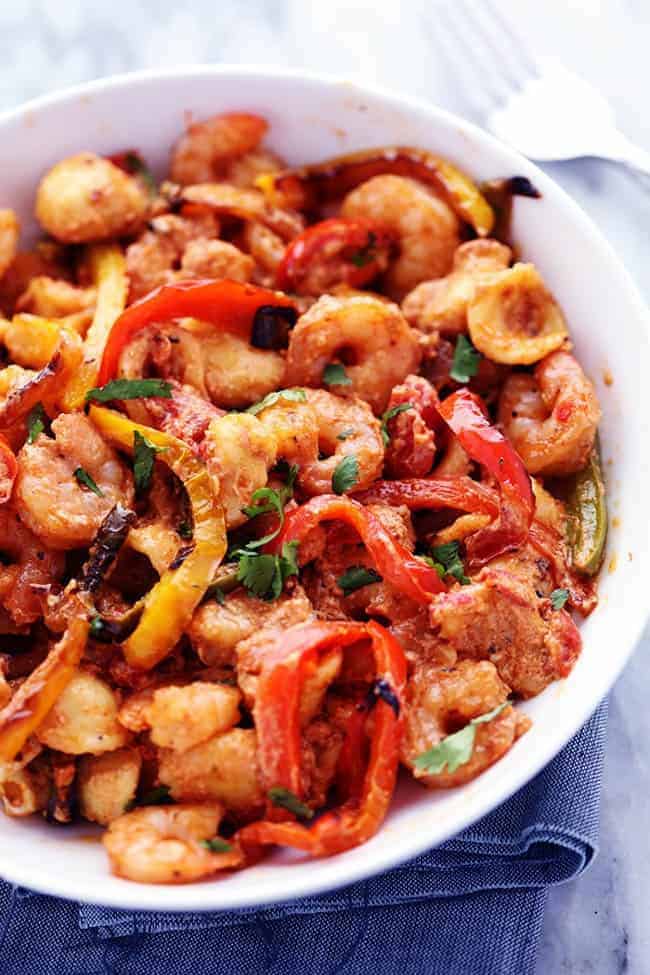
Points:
(537, 105)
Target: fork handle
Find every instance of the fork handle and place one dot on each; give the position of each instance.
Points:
(631, 154)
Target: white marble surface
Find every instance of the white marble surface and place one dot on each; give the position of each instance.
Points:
(597, 924)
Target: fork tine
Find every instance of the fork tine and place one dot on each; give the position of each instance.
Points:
(475, 65)
(517, 51)
(447, 44)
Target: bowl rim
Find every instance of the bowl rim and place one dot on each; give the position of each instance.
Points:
(141, 897)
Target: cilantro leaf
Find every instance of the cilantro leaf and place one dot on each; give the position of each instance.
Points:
(346, 474)
(335, 375)
(185, 530)
(287, 800)
(36, 421)
(272, 501)
(447, 557)
(346, 434)
(454, 750)
(144, 455)
(466, 360)
(265, 575)
(293, 395)
(130, 389)
(388, 416)
(135, 164)
(356, 577)
(559, 598)
(96, 627)
(158, 796)
(216, 845)
(84, 478)
(365, 255)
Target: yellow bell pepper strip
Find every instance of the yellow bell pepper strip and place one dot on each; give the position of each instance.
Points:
(308, 187)
(34, 699)
(168, 607)
(108, 269)
(588, 509)
(44, 388)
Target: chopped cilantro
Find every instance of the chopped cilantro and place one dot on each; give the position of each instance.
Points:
(158, 796)
(264, 575)
(271, 501)
(144, 455)
(335, 375)
(346, 474)
(287, 800)
(388, 416)
(130, 389)
(466, 360)
(366, 254)
(447, 557)
(559, 598)
(185, 530)
(84, 478)
(216, 845)
(454, 750)
(356, 577)
(293, 395)
(36, 421)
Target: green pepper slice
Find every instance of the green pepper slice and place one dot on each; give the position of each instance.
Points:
(588, 508)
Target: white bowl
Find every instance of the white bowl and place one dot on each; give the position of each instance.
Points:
(312, 118)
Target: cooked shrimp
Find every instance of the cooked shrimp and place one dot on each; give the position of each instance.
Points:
(238, 456)
(369, 335)
(31, 571)
(551, 417)
(346, 427)
(46, 259)
(207, 148)
(215, 631)
(181, 717)
(440, 306)
(294, 429)
(236, 373)
(411, 449)
(9, 232)
(426, 228)
(86, 198)
(166, 844)
(55, 297)
(441, 702)
(216, 259)
(244, 170)
(154, 258)
(222, 769)
(220, 366)
(500, 616)
(264, 245)
(54, 504)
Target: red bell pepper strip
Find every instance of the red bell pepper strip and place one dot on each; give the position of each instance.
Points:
(8, 470)
(353, 248)
(455, 491)
(285, 665)
(227, 304)
(408, 574)
(463, 412)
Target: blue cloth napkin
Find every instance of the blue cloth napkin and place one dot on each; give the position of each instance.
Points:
(474, 906)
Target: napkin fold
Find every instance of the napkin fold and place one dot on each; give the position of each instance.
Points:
(473, 906)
